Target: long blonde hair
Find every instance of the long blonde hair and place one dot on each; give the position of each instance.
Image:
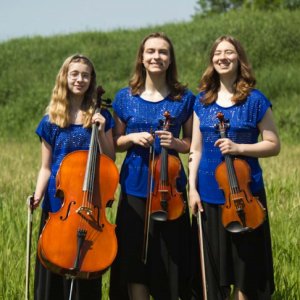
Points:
(59, 106)
(138, 80)
(245, 81)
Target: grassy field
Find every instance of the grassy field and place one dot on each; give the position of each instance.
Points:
(18, 178)
(28, 70)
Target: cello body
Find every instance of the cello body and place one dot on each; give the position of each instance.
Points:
(57, 246)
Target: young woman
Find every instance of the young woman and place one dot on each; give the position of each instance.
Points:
(65, 128)
(227, 86)
(153, 90)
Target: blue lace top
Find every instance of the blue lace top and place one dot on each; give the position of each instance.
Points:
(243, 130)
(139, 115)
(64, 141)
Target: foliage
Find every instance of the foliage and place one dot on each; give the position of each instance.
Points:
(208, 8)
(29, 65)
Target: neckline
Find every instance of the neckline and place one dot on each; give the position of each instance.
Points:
(148, 101)
(225, 107)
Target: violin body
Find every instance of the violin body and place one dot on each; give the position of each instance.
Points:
(165, 190)
(57, 246)
(252, 213)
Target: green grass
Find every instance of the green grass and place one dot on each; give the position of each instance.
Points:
(28, 70)
(18, 178)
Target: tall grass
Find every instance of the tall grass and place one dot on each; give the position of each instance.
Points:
(28, 70)
(18, 178)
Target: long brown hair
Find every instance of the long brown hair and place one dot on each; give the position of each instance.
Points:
(59, 106)
(138, 80)
(245, 81)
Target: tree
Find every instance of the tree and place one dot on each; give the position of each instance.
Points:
(210, 7)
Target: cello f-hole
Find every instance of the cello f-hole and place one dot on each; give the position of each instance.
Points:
(68, 212)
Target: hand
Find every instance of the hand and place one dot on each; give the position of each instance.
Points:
(195, 202)
(227, 146)
(36, 202)
(143, 139)
(166, 138)
(99, 119)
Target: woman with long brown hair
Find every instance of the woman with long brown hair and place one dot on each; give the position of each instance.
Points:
(153, 90)
(241, 260)
(66, 127)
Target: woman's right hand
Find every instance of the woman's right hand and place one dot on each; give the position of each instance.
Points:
(144, 139)
(195, 202)
(36, 202)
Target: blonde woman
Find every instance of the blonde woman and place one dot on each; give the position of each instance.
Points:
(65, 128)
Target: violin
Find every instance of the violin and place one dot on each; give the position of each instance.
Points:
(242, 212)
(164, 201)
(78, 241)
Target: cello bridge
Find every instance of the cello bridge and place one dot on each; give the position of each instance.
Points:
(84, 208)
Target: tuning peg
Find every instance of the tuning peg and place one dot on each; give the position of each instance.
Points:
(216, 126)
(226, 121)
(159, 127)
(160, 121)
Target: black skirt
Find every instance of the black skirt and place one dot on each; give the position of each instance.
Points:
(242, 260)
(167, 272)
(50, 286)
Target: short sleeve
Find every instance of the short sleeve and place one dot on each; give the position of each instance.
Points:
(198, 104)
(263, 104)
(44, 130)
(190, 99)
(109, 122)
(119, 103)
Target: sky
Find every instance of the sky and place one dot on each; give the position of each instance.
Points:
(27, 18)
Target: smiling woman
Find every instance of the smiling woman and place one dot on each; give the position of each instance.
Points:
(240, 258)
(154, 89)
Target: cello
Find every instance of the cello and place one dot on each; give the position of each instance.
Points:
(164, 201)
(78, 241)
(242, 212)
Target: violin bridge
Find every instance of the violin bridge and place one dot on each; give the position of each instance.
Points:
(84, 208)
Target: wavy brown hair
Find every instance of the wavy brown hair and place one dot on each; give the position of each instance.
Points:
(138, 80)
(245, 80)
(59, 106)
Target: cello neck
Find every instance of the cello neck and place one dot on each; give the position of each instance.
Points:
(88, 184)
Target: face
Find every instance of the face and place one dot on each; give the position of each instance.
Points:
(225, 59)
(79, 78)
(156, 55)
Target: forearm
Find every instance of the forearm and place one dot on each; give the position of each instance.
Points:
(194, 162)
(42, 183)
(182, 145)
(123, 142)
(259, 150)
(105, 146)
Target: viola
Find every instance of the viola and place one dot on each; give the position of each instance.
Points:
(242, 212)
(78, 241)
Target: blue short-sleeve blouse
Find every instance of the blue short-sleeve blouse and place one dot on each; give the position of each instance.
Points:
(140, 115)
(243, 130)
(64, 141)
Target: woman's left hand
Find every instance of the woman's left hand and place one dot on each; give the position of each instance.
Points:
(227, 146)
(98, 118)
(166, 138)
